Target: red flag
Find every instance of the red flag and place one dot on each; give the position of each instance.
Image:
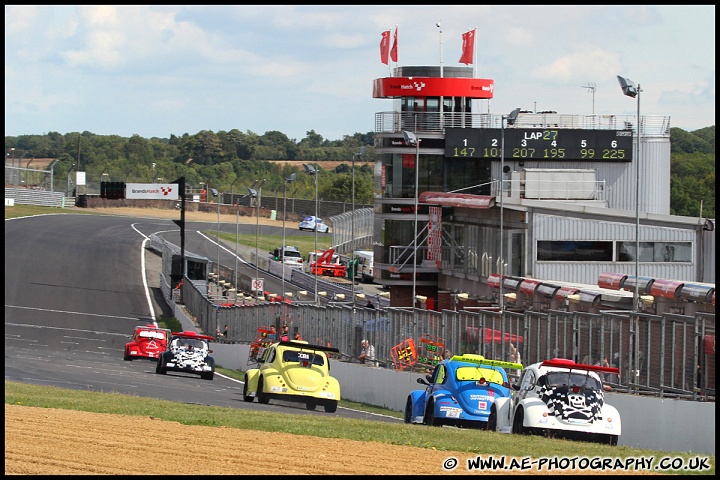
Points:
(393, 50)
(385, 46)
(468, 46)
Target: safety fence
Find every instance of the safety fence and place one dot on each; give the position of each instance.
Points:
(664, 355)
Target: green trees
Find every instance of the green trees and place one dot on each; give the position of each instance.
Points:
(692, 172)
(233, 160)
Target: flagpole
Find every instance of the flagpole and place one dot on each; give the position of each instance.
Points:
(475, 68)
(389, 47)
(442, 99)
(394, 45)
(439, 25)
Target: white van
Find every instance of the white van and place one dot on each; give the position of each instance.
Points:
(365, 265)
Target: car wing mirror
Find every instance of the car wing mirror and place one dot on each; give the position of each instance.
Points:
(422, 381)
(515, 386)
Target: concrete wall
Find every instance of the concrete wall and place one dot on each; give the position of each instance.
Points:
(647, 422)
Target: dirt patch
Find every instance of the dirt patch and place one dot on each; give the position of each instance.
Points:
(190, 216)
(42, 441)
(47, 441)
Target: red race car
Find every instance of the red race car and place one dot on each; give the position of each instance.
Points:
(148, 342)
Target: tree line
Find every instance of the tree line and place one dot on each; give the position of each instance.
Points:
(233, 161)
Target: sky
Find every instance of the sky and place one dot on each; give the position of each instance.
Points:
(157, 71)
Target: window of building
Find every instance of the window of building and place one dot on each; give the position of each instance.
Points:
(660, 252)
(605, 251)
(574, 251)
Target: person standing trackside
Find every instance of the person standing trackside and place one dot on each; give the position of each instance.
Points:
(368, 353)
(226, 331)
(285, 335)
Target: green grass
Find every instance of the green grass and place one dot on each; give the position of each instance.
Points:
(26, 210)
(475, 442)
(266, 243)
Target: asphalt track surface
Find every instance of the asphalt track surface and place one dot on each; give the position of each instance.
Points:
(76, 286)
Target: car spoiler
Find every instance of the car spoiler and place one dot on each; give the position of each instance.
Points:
(480, 360)
(307, 346)
(569, 364)
(191, 334)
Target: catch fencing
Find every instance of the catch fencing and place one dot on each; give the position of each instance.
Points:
(662, 355)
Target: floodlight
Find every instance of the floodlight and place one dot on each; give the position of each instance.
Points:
(513, 116)
(410, 138)
(628, 87)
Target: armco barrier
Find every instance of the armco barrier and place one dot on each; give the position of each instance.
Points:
(647, 422)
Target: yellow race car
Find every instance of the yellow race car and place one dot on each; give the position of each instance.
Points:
(294, 371)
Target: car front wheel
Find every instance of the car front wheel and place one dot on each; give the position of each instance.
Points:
(518, 422)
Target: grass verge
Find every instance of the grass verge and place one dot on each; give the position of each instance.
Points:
(462, 440)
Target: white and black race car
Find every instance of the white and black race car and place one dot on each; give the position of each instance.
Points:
(559, 398)
(188, 352)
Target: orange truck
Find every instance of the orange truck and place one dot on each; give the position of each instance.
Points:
(328, 264)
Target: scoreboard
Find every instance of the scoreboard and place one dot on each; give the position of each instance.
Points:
(540, 144)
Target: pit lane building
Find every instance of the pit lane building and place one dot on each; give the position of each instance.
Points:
(564, 200)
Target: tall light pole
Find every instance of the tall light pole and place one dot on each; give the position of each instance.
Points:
(216, 194)
(254, 197)
(412, 140)
(237, 234)
(311, 170)
(72, 167)
(352, 227)
(510, 119)
(290, 179)
(12, 164)
(629, 90)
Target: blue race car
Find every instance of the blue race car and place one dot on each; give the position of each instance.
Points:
(459, 392)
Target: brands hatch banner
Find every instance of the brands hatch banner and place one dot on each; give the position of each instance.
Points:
(152, 191)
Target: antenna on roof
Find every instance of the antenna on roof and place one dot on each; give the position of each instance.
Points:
(591, 89)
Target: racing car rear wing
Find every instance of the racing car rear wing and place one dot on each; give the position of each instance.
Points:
(307, 346)
(571, 365)
(192, 334)
(480, 360)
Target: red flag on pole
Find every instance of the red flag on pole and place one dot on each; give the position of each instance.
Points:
(385, 46)
(468, 46)
(393, 50)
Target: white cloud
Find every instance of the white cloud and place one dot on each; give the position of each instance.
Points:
(178, 69)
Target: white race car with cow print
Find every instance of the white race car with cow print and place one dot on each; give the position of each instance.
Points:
(559, 398)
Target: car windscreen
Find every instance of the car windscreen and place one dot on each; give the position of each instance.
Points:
(295, 356)
(292, 254)
(562, 379)
(309, 219)
(159, 335)
(190, 342)
(475, 374)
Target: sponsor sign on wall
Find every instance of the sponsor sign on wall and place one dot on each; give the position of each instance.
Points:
(152, 191)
